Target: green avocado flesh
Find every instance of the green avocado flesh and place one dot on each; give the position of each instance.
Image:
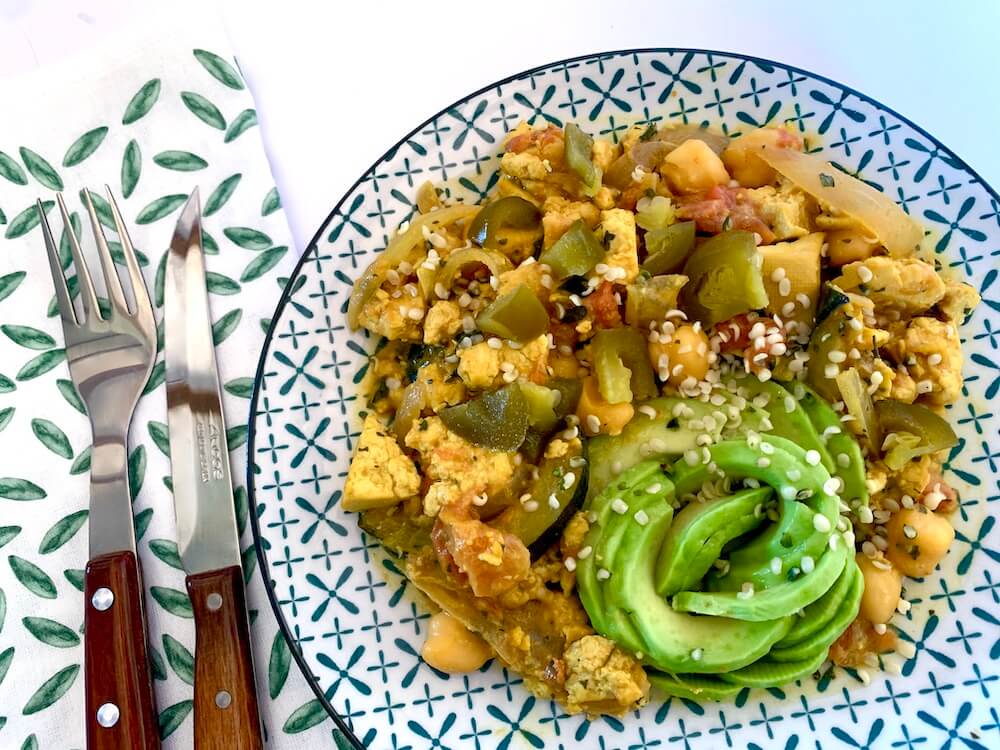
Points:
(718, 562)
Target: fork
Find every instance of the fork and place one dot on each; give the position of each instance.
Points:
(110, 360)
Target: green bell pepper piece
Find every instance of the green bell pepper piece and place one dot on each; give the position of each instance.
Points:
(497, 420)
(512, 211)
(931, 432)
(668, 248)
(517, 315)
(622, 365)
(725, 278)
(578, 147)
(573, 254)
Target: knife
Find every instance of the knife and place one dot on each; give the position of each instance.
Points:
(226, 714)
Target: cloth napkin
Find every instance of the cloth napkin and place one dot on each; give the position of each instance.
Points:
(153, 120)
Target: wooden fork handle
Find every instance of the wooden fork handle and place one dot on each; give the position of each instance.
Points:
(226, 715)
(121, 714)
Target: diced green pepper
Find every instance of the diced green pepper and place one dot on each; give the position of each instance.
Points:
(622, 365)
(668, 248)
(517, 315)
(578, 147)
(541, 403)
(650, 299)
(919, 430)
(570, 390)
(511, 211)
(725, 278)
(556, 495)
(575, 253)
(496, 420)
(654, 213)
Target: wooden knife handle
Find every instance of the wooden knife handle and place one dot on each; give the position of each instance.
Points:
(226, 715)
(121, 714)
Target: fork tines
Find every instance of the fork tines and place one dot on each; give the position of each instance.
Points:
(88, 294)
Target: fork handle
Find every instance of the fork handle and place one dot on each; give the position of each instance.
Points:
(121, 714)
(226, 714)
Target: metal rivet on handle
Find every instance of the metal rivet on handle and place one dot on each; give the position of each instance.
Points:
(223, 699)
(108, 714)
(102, 599)
(214, 601)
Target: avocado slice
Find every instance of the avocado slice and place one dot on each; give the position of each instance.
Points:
(694, 687)
(773, 601)
(794, 425)
(821, 640)
(839, 443)
(818, 614)
(597, 538)
(675, 641)
(794, 535)
(767, 673)
(644, 437)
(698, 534)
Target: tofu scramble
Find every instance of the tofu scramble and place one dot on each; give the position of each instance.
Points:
(666, 412)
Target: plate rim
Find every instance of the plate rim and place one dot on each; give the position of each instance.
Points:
(262, 559)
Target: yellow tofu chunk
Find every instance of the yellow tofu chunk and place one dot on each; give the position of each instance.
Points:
(793, 268)
(905, 286)
(458, 469)
(482, 366)
(785, 209)
(443, 321)
(559, 214)
(396, 318)
(380, 473)
(618, 231)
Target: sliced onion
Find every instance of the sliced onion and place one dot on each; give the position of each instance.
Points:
(676, 135)
(459, 259)
(838, 191)
(402, 247)
(859, 405)
(645, 154)
(413, 402)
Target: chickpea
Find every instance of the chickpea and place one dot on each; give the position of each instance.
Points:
(611, 418)
(747, 167)
(688, 348)
(693, 167)
(849, 245)
(918, 540)
(882, 590)
(453, 648)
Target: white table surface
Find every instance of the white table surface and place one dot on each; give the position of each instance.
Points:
(337, 83)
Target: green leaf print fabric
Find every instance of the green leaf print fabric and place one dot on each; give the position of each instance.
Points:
(172, 114)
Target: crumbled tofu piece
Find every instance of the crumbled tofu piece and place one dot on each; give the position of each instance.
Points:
(604, 153)
(600, 678)
(457, 468)
(441, 386)
(906, 286)
(391, 316)
(931, 352)
(559, 214)
(443, 321)
(380, 473)
(481, 366)
(523, 166)
(557, 448)
(530, 275)
(958, 302)
(618, 228)
(785, 209)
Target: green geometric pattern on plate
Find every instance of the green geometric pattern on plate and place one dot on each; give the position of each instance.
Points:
(353, 617)
(153, 123)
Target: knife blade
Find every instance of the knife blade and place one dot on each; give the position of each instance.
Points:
(226, 709)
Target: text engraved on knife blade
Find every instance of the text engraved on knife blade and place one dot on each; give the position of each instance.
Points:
(210, 454)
